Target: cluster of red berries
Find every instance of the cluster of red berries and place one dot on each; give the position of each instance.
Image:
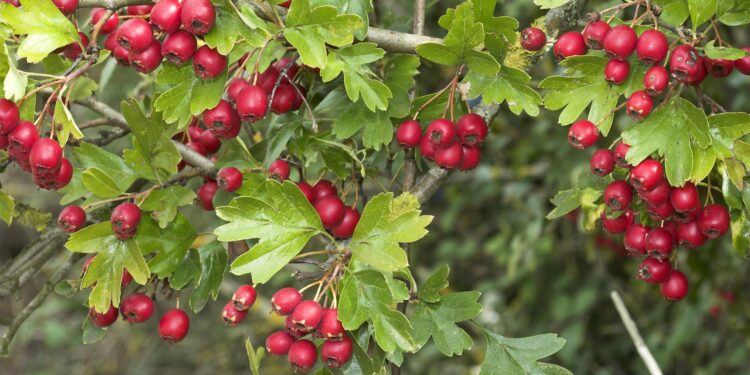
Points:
(236, 310)
(337, 218)
(43, 157)
(449, 145)
(307, 317)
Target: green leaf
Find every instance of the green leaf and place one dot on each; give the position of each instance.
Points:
(67, 288)
(464, 33)
(352, 62)
(733, 12)
(430, 290)
(229, 28)
(701, 11)
(378, 129)
(7, 208)
(32, 217)
(153, 154)
(283, 223)
(170, 243)
(45, 27)
(360, 8)
(14, 85)
(92, 156)
(382, 227)
(518, 355)
(438, 53)
(481, 62)
(549, 4)
(586, 192)
(674, 12)
(99, 183)
(726, 128)
(681, 123)
(65, 124)
(92, 333)
(190, 96)
(163, 203)
(213, 260)
(254, 356)
(728, 53)
(438, 320)
(511, 85)
(188, 270)
(399, 77)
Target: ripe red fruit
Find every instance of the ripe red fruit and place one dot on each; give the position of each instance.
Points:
(206, 194)
(653, 270)
(208, 63)
(267, 79)
(67, 7)
(73, 50)
(9, 116)
(220, 118)
(229, 179)
(441, 133)
(210, 141)
(621, 151)
(700, 74)
(713, 222)
(3, 142)
(675, 286)
(307, 315)
(134, 35)
(234, 88)
(252, 103)
(166, 16)
(635, 239)
(331, 211)
(103, 319)
(127, 278)
(472, 130)
(109, 25)
(470, 159)
(179, 47)
(20, 141)
(659, 243)
(658, 195)
(647, 175)
(346, 228)
(620, 42)
(45, 158)
(427, 148)
(282, 64)
(278, 343)
(652, 47)
(139, 10)
(121, 55)
(719, 68)
(307, 191)
(324, 188)
(137, 308)
(330, 327)
(409, 134)
(594, 34)
(616, 71)
(244, 297)
(231, 316)
(602, 162)
(147, 60)
(71, 219)
(125, 219)
(293, 329)
(64, 176)
(685, 199)
(656, 80)
(689, 235)
(662, 211)
(743, 64)
(302, 355)
(285, 300)
(617, 224)
(569, 44)
(286, 4)
(198, 16)
(336, 353)
(533, 39)
(582, 134)
(449, 157)
(684, 63)
(279, 170)
(618, 195)
(283, 99)
(174, 325)
(639, 105)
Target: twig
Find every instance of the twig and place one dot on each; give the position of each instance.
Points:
(640, 345)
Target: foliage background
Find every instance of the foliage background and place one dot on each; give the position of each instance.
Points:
(536, 276)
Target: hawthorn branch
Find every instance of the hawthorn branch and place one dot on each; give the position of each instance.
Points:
(112, 4)
(640, 345)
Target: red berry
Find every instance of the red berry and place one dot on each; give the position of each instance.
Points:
(427, 148)
(179, 47)
(121, 55)
(653, 270)
(441, 133)
(9, 116)
(252, 103)
(279, 342)
(331, 211)
(330, 326)
(533, 39)
(293, 329)
(602, 162)
(662, 211)
(234, 88)
(658, 195)
(639, 105)
(283, 99)
(449, 157)
(220, 118)
(127, 278)
(618, 195)
(282, 64)
(279, 170)
(67, 7)
(409, 134)
(286, 4)
(103, 319)
(700, 74)
(139, 10)
(689, 235)
(244, 297)
(46, 158)
(684, 63)
(134, 35)
(285, 300)
(675, 287)
(719, 68)
(210, 141)
(166, 16)
(621, 151)
(472, 130)
(336, 353)
(206, 194)
(198, 16)
(652, 47)
(75, 49)
(71, 219)
(346, 228)
(685, 199)
(125, 219)
(635, 239)
(109, 25)
(3, 142)
(149, 59)
(743, 64)
(307, 191)
(15, 3)
(267, 79)
(647, 175)
(656, 80)
(229, 179)
(64, 176)
(583, 134)
(617, 224)
(208, 63)
(594, 34)
(20, 141)
(307, 315)
(324, 188)
(302, 355)
(620, 42)
(569, 44)
(174, 325)
(659, 243)
(616, 71)
(137, 308)
(231, 316)
(470, 159)
(713, 222)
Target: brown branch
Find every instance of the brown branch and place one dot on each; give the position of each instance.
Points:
(111, 4)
